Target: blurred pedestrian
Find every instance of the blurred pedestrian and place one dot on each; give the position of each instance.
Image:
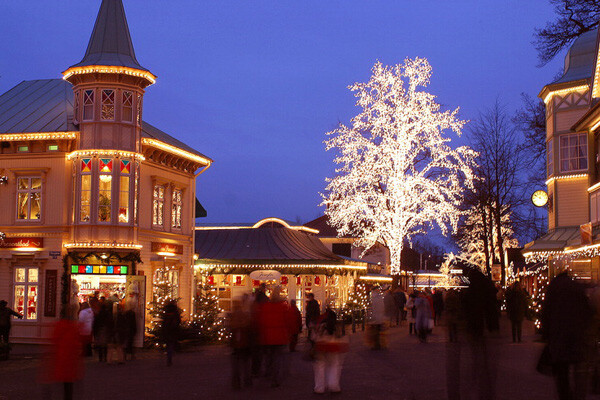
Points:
(566, 318)
(102, 329)
(5, 324)
(411, 313)
(86, 323)
(400, 300)
(424, 318)
(257, 350)
(171, 322)
(64, 362)
(517, 303)
(389, 306)
(438, 305)
(297, 317)
(377, 319)
(129, 327)
(311, 315)
(239, 325)
(452, 314)
(276, 324)
(330, 347)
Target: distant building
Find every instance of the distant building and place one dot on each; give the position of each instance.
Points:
(91, 193)
(573, 165)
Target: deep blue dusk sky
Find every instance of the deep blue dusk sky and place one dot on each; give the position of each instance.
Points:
(255, 85)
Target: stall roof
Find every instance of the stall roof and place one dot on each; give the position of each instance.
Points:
(264, 245)
(556, 239)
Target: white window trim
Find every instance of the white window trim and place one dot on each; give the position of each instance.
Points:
(40, 191)
(560, 159)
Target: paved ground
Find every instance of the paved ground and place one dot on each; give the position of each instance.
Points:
(407, 370)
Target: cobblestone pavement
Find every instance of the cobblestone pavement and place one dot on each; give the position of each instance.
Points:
(407, 370)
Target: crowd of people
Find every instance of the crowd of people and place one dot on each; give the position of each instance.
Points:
(264, 329)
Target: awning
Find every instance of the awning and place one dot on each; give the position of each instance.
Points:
(555, 240)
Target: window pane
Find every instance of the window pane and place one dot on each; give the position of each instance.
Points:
(20, 275)
(23, 183)
(108, 104)
(22, 205)
(31, 302)
(105, 198)
(88, 105)
(36, 183)
(127, 106)
(19, 298)
(86, 196)
(33, 275)
(35, 206)
(124, 199)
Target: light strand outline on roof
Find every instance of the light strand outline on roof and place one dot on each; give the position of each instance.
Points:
(272, 266)
(563, 177)
(105, 69)
(13, 137)
(565, 91)
(175, 150)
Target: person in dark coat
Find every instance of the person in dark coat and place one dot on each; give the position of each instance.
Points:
(517, 303)
(297, 316)
(438, 305)
(400, 300)
(103, 329)
(171, 322)
(312, 314)
(566, 318)
(5, 323)
(239, 324)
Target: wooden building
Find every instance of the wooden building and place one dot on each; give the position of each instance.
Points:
(573, 165)
(96, 199)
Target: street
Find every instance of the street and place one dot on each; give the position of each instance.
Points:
(406, 370)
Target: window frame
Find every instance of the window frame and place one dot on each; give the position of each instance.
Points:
(161, 202)
(110, 190)
(179, 212)
(26, 284)
(569, 158)
(30, 191)
(89, 96)
(127, 104)
(108, 102)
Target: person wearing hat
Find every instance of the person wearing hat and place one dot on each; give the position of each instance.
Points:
(5, 314)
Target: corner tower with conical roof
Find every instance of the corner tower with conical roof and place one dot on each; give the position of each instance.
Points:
(108, 85)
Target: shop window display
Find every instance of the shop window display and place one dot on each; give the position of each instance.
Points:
(26, 291)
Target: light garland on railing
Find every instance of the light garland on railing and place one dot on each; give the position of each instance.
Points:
(565, 91)
(103, 245)
(14, 137)
(110, 153)
(105, 69)
(175, 150)
(563, 177)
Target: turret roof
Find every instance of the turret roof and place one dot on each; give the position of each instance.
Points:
(110, 43)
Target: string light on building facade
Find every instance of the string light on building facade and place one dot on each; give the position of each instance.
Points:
(103, 245)
(384, 189)
(108, 153)
(174, 150)
(562, 92)
(563, 177)
(14, 137)
(103, 69)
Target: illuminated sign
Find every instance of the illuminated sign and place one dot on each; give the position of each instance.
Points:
(158, 247)
(99, 269)
(22, 242)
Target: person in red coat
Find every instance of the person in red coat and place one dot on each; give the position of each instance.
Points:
(276, 325)
(65, 362)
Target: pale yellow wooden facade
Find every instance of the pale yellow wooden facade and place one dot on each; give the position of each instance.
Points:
(105, 189)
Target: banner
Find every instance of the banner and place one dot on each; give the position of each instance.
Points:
(22, 242)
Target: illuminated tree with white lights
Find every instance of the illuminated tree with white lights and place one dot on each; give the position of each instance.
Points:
(397, 176)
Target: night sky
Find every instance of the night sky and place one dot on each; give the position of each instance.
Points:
(255, 85)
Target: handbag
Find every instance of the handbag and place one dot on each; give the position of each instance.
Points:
(544, 364)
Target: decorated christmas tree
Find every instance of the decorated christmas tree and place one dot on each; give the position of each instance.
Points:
(164, 291)
(207, 323)
(357, 302)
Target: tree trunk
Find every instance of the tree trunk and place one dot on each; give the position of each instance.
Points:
(485, 241)
(500, 243)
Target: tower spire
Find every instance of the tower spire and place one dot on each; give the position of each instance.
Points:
(110, 43)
